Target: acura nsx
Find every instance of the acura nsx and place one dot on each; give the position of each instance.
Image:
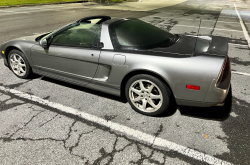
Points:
(151, 67)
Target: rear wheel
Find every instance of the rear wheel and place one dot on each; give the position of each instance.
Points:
(148, 95)
(19, 64)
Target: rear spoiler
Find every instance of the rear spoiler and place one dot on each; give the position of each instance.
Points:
(218, 46)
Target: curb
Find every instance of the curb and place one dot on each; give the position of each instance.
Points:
(40, 4)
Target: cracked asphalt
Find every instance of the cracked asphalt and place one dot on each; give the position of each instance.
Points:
(31, 133)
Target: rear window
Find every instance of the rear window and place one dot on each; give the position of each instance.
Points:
(139, 34)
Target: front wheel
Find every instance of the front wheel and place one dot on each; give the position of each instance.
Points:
(19, 64)
(148, 95)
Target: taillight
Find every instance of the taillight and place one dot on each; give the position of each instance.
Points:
(224, 72)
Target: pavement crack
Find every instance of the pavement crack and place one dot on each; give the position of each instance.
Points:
(70, 130)
(215, 23)
(9, 139)
(111, 154)
(78, 140)
(25, 124)
(159, 131)
(49, 120)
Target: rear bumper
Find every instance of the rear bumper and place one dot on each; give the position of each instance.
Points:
(214, 97)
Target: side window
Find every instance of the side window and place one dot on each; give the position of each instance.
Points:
(83, 34)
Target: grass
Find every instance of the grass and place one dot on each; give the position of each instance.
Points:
(22, 2)
(110, 0)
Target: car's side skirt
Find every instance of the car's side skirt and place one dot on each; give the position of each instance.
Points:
(96, 86)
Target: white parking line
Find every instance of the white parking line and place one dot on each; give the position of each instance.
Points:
(203, 27)
(10, 11)
(243, 27)
(226, 16)
(206, 20)
(241, 73)
(138, 135)
(237, 44)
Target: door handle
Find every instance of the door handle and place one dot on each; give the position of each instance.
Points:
(92, 55)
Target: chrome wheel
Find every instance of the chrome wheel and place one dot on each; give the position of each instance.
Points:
(145, 95)
(17, 64)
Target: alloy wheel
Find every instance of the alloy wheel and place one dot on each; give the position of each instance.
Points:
(17, 64)
(145, 95)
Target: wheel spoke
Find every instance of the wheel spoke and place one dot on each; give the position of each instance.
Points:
(151, 103)
(19, 60)
(21, 69)
(11, 60)
(152, 96)
(150, 88)
(136, 99)
(15, 58)
(136, 91)
(144, 104)
(141, 85)
(21, 64)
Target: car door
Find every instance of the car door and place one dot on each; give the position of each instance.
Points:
(71, 55)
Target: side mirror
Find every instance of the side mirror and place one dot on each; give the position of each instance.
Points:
(100, 45)
(44, 43)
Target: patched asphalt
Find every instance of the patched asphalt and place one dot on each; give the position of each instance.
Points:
(35, 134)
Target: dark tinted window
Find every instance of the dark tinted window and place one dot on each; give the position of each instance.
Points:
(136, 33)
(81, 34)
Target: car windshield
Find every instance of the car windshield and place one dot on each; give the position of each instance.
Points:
(138, 34)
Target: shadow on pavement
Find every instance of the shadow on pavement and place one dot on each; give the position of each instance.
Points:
(83, 89)
(212, 113)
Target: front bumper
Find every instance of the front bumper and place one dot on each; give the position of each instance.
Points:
(3, 56)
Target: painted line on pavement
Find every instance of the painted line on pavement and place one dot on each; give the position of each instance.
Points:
(206, 20)
(10, 11)
(237, 44)
(223, 15)
(241, 73)
(243, 27)
(201, 27)
(140, 136)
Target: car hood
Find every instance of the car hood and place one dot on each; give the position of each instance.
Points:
(29, 38)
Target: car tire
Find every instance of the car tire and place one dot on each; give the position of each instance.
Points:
(148, 95)
(19, 64)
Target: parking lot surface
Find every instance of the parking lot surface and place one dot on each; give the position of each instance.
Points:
(35, 133)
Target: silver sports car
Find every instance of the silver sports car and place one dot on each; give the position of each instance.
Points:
(153, 68)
